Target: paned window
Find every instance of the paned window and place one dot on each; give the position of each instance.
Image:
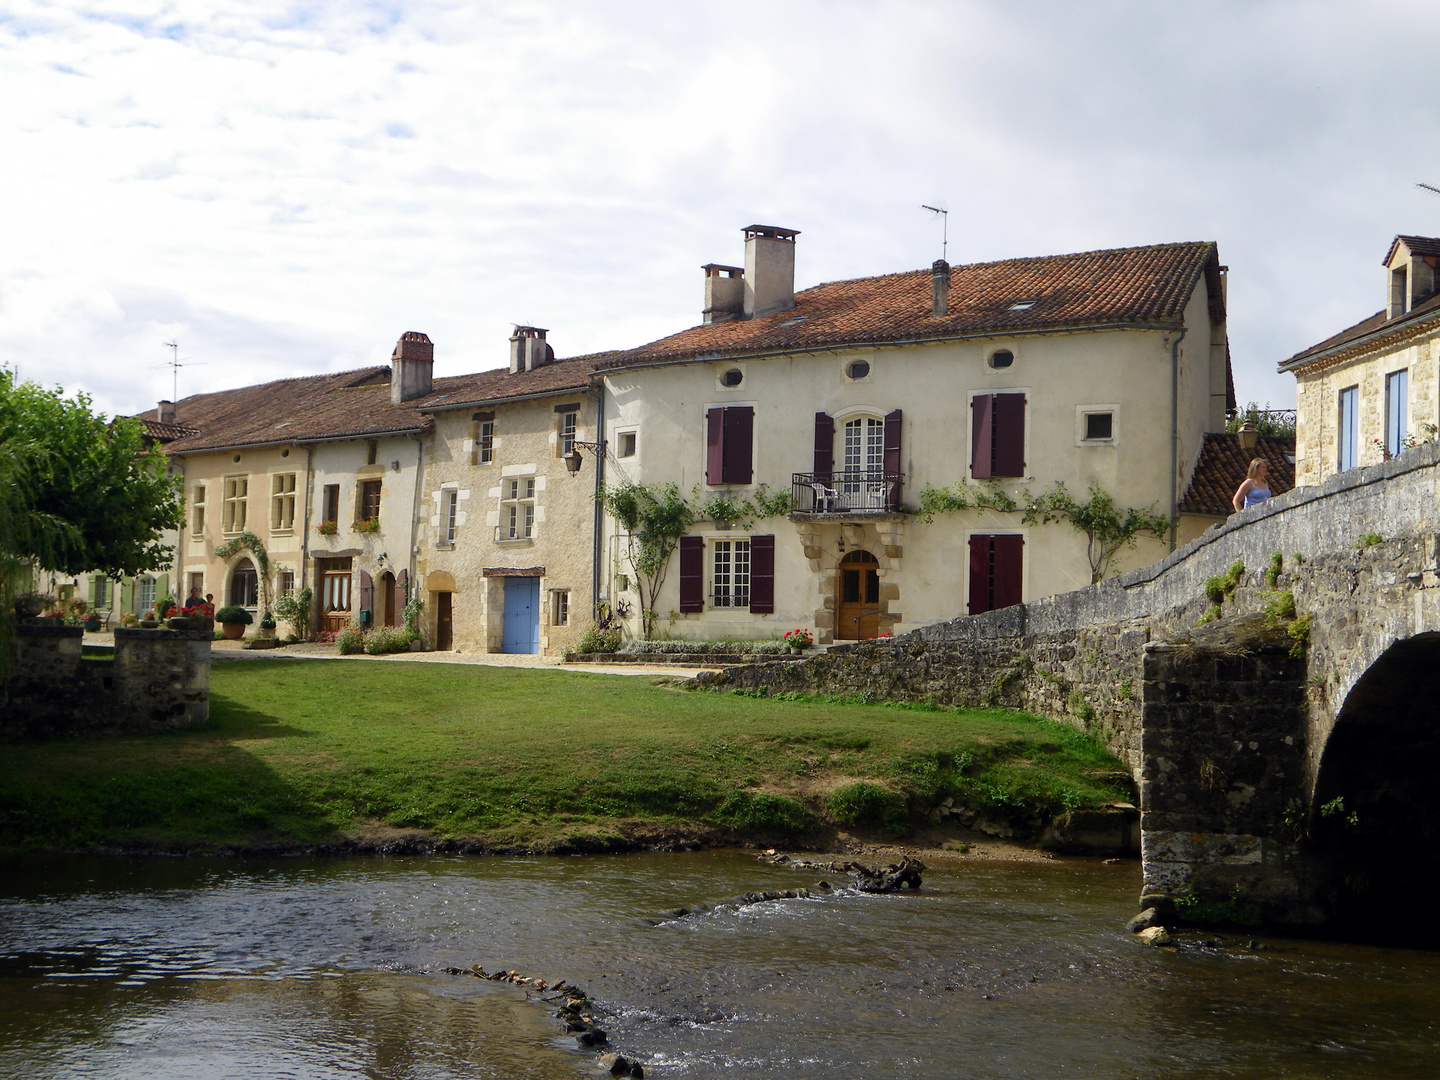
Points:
(1397, 393)
(282, 502)
(450, 515)
(144, 593)
(245, 585)
(286, 582)
(560, 607)
(728, 436)
(237, 491)
(518, 509)
(482, 437)
(197, 510)
(568, 421)
(369, 500)
(997, 435)
(730, 575)
(864, 452)
(1348, 434)
(334, 585)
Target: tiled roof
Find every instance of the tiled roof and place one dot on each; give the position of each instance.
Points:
(1145, 286)
(161, 432)
(1418, 245)
(348, 404)
(1223, 465)
(1375, 324)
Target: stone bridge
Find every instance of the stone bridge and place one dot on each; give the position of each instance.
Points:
(1297, 774)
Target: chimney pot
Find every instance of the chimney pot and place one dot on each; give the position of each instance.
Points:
(724, 293)
(939, 289)
(166, 412)
(528, 349)
(412, 367)
(769, 280)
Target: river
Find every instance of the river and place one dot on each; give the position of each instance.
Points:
(203, 968)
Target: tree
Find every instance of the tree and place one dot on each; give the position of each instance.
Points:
(93, 494)
(656, 518)
(1107, 527)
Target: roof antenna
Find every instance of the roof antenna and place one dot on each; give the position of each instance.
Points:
(1430, 188)
(945, 227)
(175, 363)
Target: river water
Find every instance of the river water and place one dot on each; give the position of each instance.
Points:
(203, 969)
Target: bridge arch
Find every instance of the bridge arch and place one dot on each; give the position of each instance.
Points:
(1374, 818)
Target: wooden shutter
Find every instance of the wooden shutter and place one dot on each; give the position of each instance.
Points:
(162, 587)
(692, 573)
(1005, 570)
(981, 435)
(367, 592)
(739, 431)
(1008, 419)
(715, 446)
(762, 575)
(824, 447)
(892, 458)
(979, 574)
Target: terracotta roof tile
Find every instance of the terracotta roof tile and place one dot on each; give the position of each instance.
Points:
(1418, 245)
(1222, 466)
(162, 432)
(1146, 286)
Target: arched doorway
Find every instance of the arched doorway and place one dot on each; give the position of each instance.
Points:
(244, 585)
(858, 610)
(1374, 820)
(385, 606)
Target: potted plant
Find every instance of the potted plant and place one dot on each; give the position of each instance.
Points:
(130, 620)
(30, 605)
(366, 525)
(798, 640)
(148, 621)
(267, 624)
(233, 619)
(327, 528)
(92, 621)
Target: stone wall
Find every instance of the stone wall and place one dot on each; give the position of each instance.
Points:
(158, 680)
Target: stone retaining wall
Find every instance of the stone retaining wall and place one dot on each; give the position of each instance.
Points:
(158, 680)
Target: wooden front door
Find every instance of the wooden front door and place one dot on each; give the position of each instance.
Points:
(444, 625)
(858, 613)
(385, 607)
(334, 591)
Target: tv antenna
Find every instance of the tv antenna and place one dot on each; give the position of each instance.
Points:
(944, 228)
(175, 364)
(1430, 188)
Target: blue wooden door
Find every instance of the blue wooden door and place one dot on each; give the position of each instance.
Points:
(522, 615)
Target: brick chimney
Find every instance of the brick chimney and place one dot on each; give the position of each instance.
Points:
(724, 293)
(412, 367)
(939, 289)
(165, 412)
(769, 281)
(528, 349)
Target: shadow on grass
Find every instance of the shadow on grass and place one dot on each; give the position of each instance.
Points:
(162, 791)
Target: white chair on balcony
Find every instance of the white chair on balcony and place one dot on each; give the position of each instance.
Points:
(827, 499)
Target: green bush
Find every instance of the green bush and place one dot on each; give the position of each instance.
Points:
(234, 613)
(597, 638)
(868, 806)
(765, 814)
(350, 640)
(387, 639)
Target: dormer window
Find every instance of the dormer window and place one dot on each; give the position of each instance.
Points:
(1022, 305)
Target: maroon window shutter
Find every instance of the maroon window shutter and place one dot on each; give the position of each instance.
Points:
(1005, 574)
(715, 446)
(824, 447)
(1009, 435)
(762, 575)
(692, 573)
(979, 574)
(739, 428)
(981, 435)
(367, 592)
(892, 457)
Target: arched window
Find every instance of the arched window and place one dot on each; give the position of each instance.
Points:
(245, 585)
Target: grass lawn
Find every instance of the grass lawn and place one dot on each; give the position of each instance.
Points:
(307, 750)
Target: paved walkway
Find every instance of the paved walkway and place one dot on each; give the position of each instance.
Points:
(234, 650)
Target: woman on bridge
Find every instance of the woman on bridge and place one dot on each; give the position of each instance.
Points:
(1253, 489)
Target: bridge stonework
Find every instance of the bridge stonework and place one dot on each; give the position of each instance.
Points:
(1224, 731)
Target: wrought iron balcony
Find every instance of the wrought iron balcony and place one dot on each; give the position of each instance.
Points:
(846, 492)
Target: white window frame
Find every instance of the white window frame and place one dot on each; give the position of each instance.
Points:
(483, 443)
(569, 431)
(1082, 415)
(237, 495)
(627, 444)
(517, 508)
(450, 514)
(144, 592)
(197, 510)
(282, 503)
(730, 573)
(862, 450)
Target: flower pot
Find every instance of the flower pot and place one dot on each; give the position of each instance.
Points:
(149, 624)
(184, 622)
(92, 625)
(233, 631)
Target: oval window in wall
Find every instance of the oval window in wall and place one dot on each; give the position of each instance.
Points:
(858, 369)
(733, 377)
(1001, 358)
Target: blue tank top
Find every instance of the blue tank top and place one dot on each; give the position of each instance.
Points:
(1256, 495)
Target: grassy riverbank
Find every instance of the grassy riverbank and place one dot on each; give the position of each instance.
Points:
(301, 751)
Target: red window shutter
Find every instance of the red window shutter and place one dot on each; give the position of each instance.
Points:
(739, 429)
(762, 575)
(892, 457)
(367, 592)
(979, 574)
(824, 447)
(715, 446)
(1009, 435)
(981, 435)
(692, 573)
(1005, 570)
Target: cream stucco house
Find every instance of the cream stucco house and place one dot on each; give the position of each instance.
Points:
(1368, 392)
(1105, 367)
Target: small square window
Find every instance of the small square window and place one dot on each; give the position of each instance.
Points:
(627, 444)
(1099, 425)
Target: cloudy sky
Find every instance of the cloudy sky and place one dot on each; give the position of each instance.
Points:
(285, 188)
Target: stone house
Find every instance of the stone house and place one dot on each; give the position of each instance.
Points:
(853, 397)
(1368, 392)
(507, 524)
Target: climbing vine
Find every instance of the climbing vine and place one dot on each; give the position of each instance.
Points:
(248, 541)
(656, 517)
